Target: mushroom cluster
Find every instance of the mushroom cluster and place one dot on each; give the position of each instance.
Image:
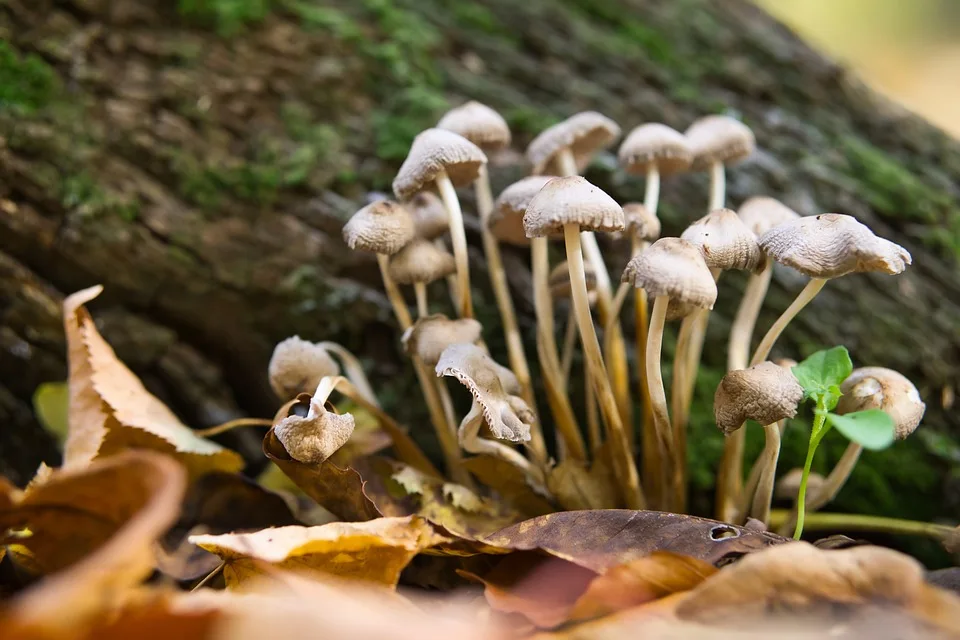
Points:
(671, 278)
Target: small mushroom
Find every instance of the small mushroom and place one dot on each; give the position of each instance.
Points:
(788, 486)
(766, 393)
(445, 159)
(671, 269)
(420, 263)
(430, 335)
(479, 124)
(297, 366)
(655, 150)
(430, 218)
(717, 141)
(825, 246)
(317, 436)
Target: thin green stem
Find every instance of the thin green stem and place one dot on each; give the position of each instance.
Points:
(816, 434)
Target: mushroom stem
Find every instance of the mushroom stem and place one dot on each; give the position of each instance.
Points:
(452, 278)
(564, 419)
(742, 508)
(594, 435)
(501, 291)
(760, 507)
(622, 458)
(458, 239)
(651, 196)
(393, 293)
(569, 343)
(865, 523)
(808, 293)
(444, 424)
(420, 289)
(469, 434)
(354, 370)
(832, 484)
(658, 398)
(718, 186)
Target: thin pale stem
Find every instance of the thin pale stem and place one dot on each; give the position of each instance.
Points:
(745, 499)
(651, 196)
(865, 523)
(832, 484)
(353, 368)
(658, 398)
(444, 425)
(210, 576)
(233, 424)
(420, 289)
(808, 293)
(458, 237)
(617, 305)
(650, 469)
(622, 458)
(760, 508)
(393, 293)
(472, 442)
(569, 344)
(452, 278)
(594, 434)
(718, 186)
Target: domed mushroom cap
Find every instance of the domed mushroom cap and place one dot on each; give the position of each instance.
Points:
(476, 371)
(884, 389)
(434, 151)
(297, 367)
(724, 241)
(430, 335)
(760, 214)
(421, 261)
(559, 279)
(381, 227)
(640, 222)
(675, 268)
(831, 245)
(479, 124)
(655, 145)
(571, 200)
(584, 134)
(430, 219)
(719, 139)
(316, 437)
(786, 363)
(765, 392)
(506, 220)
(788, 486)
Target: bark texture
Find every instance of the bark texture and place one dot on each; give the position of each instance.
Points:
(200, 164)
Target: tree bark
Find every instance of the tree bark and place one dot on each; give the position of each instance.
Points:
(203, 179)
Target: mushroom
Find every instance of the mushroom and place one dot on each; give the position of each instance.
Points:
(766, 393)
(759, 214)
(317, 436)
(420, 263)
(671, 269)
(297, 366)
(383, 227)
(432, 223)
(717, 141)
(655, 150)
(789, 484)
(825, 246)
(565, 149)
(507, 224)
(570, 205)
(446, 160)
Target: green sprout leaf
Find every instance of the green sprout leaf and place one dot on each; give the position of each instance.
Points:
(822, 373)
(872, 429)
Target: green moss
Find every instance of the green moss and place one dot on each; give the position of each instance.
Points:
(27, 83)
(314, 17)
(402, 117)
(226, 17)
(83, 196)
(476, 17)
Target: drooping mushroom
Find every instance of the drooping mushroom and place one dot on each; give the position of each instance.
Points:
(655, 150)
(766, 393)
(507, 224)
(317, 436)
(297, 366)
(717, 141)
(825, 246)
(420, 263)
(570, 205)
(446, 160)
(671, 269)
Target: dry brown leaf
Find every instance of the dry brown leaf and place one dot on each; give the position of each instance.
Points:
(577, 488)
(367, 438)
(111, 411)
(510, 483)
(374, 551)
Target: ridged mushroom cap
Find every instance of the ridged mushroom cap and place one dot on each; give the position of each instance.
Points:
(884, 389)
(765, 392)
(571, 200)
(297, 366)
(476, 371)
(655, 145)
(506, 219)
(725, 242)
(559, 279)
(380, 227)
(479, 124)
(430, 219)
(421, 261)
(435, 151)
(584, 134)
(430, 335)
(640, 222)
(761, 213)
(831, 245)
(675, 268)
(316, 437)
(788, 486)
(719, 139)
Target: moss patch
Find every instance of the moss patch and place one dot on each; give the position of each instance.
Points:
(27, 83)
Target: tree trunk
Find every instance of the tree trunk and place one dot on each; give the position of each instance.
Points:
(200, 164)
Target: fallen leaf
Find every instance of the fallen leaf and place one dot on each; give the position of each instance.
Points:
(111, 411)
(601, 539)
(374, 551)
(510, 483)
(367, 438)
(575, 487)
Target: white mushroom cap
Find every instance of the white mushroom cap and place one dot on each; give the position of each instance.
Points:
(506, 219)
(761, 214)
(831, 245)
(430, 217)
(584, 134)
(675, 268)
(435, 151)
(765, 392)
(641, 222)
(655, 145)
(479, 124)
(884, 389)
(430, 335)
(297, 367)
(316, 437)
(725, 242)
(559, 279)
(719, 139)
(571, 200)
(380, 227)
(788, 486)
(421, 261)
